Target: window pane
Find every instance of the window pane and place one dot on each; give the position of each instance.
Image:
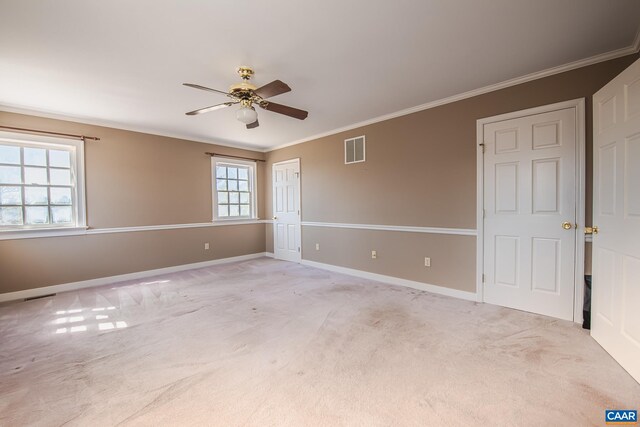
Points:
(244, 210)
(36, 196)
(234, 197)
(243, 185)
(10, 216)
(37, 215)
(10, 196)
(35, 156)
(232, 173)
(61, 214)
(60, 196)
(9, 154)
(243, 173)
(234, 210)
(221, 172)
(244, 197)
(60, 176)
(233, 185)
(60, 159)
(35, 176)
(223, 197)
(223, 210)
(10, 175)
(221, 184)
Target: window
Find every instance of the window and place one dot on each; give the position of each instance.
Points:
(234, 189)
(41, 182)
(354, 150)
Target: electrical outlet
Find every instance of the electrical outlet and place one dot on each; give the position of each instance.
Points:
(427, 262)
(317, 246)
(206, 246)
(374, 254)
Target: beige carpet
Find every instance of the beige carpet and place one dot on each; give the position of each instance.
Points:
(265, 342)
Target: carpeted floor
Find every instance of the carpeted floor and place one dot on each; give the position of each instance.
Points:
(270, 343)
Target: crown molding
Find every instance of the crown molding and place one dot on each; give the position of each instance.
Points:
(120, 126)
(629, 50)
(618, 53)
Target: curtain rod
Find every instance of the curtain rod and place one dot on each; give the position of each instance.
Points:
(233, 157)
(44, 132)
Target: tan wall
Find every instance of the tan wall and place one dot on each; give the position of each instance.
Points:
(420, 170)
(132, 179)
(399, 254)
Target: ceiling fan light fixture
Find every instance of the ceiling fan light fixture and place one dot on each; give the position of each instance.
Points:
(246, 115)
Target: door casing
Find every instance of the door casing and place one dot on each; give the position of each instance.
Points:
(579, 105)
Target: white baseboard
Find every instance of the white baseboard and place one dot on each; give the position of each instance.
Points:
(269, 254)
(47, 290)
(469, 296)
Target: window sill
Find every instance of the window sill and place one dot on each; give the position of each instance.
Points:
(231, 221)
(33, 233)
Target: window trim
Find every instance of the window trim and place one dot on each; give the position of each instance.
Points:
(77, 177)
(253, 185)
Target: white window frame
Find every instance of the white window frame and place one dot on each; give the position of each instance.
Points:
(77, 180)
(253, 187)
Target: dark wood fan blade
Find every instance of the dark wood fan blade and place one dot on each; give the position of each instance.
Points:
(212, 108)
(204, 88)
(287, 111)
(253, 125)
(274, 88)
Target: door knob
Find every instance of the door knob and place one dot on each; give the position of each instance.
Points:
(591, 230)
(566, 225)
(274, 218)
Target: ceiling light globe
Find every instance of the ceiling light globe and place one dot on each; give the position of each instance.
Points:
(247, 115)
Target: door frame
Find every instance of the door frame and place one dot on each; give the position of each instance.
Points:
(579, 105)
(273, 195)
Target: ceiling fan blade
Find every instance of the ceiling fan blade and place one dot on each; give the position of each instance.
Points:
(274, 88)
(204, 88)
(283, 109)
(212, 108)
(253, 125)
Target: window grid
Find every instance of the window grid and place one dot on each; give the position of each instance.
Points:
(234, 192)
(56, 207)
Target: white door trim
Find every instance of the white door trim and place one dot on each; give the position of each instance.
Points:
(273, 166)
(579, 105)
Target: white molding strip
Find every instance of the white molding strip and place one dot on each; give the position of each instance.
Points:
(11, 108)
(469, 296)
(47, 290)
(404, 228)
(618, 53)
(633, 48)
(76, 231)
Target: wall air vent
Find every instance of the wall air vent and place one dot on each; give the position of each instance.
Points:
(354, 150)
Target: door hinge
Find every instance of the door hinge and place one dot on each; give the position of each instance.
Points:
(484, 147)
(298, 248)
(482, 277)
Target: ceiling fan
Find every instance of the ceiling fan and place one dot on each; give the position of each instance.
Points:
(246, 94)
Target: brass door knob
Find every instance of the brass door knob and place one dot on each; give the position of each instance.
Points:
(566, 225)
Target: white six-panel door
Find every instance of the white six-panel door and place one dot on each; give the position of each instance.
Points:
(529, 193)
(286, 210)
(616, 212)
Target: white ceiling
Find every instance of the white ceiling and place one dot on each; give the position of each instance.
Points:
(122, 62)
